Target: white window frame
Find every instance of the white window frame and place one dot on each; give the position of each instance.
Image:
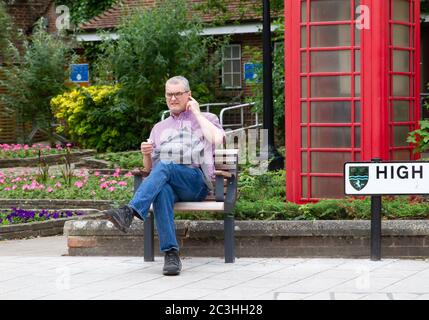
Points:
(233, 72)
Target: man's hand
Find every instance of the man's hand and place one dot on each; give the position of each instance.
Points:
(194, 106)
(146, 147)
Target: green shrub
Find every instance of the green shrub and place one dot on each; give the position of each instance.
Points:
(96, 118)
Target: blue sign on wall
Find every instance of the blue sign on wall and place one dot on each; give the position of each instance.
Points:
(251, 72)
(79, 72)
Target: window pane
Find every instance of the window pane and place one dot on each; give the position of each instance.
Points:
(332, 86)
(330, 36)
(357, 111)
(330, 10)
(304, 159)
(227, 66)
(327, 187)
(303, 62)
(330, 137)
(401, 155)
(401, 10)
(401, 61)
(227, 52)
(357, 86)
(237, 80)
(303, 38)
(331, 61)
(401, 111)
(304, 187)
(304, 11)
(357, 60)
(329, 162)
(357, 36)
(304, 137)
(400, 134)
(357, 137)
(236, 51)
(227, 80)
(401, 35)
(331, 112)
(401, 86)
(304, 87)
(236, 66)
(304, 112)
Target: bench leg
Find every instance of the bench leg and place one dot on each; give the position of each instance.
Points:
(229, 238)
(148, 239)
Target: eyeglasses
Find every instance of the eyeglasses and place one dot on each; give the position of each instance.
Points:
(177, 95)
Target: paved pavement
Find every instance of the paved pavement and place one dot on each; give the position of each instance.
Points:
(40, 269)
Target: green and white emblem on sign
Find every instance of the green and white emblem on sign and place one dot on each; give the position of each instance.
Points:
(358, 177)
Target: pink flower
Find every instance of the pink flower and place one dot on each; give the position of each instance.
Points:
(111, 189)
(7, 189)
(14, 187)
(78, 184)
(104, 185)
(96, 173)
(49, 190)
(122, 183)
(68, 145)
(58, 185)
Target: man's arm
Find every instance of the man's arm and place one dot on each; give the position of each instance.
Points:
(212, 133)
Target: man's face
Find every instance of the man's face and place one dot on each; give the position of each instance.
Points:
(177, 97)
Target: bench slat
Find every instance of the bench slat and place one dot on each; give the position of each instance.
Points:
(197, 206)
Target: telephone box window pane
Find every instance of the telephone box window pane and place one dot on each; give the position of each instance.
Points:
(304, 137)
(401, 10)
(401, 35)
(327, 187)
(304, 11)
(330, 86)
(401, 111)
(303, 62)
(401, 86)
(330, 10)
(304, 187)
(357, 36)
(329, 162)
(357, 60)
(304, 112)
(303, 37)
(330, 36)
(331, 61)
(304, 159)
(303, 87)
(330, 137)
(400, 134)
(331, 112)
(401, 155)
(357, 86)
(357, 137)
(401, 61)
(357, 111)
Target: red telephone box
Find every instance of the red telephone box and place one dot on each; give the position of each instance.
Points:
(352, 88)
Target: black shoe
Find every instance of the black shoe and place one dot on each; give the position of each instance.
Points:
(121, 217)
(172, 264)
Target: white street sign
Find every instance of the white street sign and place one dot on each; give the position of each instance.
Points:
(383, 178)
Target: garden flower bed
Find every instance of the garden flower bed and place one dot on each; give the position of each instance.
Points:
(79, 185)
(18, 215)
(17, 155)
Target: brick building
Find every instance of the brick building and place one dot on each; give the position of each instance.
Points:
(24, 14)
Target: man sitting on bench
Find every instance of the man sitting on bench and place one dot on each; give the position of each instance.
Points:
(179, 154)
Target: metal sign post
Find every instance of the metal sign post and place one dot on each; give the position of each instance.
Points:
(384, 178)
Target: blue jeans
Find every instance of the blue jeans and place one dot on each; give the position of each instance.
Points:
(167, 184)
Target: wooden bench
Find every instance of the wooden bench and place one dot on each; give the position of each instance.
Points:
(221, 200)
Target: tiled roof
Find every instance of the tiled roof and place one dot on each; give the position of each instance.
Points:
(236, 10)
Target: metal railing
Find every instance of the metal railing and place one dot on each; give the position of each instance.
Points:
(228, 106)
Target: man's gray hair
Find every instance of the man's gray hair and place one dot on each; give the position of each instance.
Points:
(179, 80)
